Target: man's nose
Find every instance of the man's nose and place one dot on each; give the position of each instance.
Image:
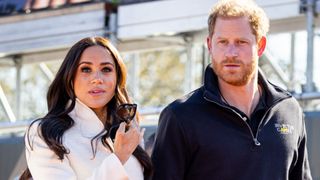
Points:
(231, 51)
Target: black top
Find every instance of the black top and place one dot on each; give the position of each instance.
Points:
(200, 137)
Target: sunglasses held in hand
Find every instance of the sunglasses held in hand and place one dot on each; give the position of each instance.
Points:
(124, 113)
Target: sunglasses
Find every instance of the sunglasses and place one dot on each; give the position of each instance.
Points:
(124, 113)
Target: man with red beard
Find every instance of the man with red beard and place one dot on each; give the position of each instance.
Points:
(237, 125)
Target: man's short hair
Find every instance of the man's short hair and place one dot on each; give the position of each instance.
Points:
(240, 8)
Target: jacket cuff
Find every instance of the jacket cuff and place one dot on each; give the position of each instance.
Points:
(114, 168)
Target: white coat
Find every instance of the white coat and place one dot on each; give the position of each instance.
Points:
(79, 164)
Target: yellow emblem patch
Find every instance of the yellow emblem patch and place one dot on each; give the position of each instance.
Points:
(284, 128)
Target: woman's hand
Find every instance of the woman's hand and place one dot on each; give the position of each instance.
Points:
(126, 141)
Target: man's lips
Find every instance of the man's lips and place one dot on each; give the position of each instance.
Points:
(229, 65)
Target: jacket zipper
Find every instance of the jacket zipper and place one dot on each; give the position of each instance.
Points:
(265, 114)
(254, 138)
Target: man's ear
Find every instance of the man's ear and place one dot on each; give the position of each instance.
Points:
(262, 45)
(209, 43)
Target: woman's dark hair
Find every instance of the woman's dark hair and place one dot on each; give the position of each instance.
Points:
(53, 125)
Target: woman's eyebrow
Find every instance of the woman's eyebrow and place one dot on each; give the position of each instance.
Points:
(107, 63)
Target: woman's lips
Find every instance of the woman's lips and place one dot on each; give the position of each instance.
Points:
(96, 92)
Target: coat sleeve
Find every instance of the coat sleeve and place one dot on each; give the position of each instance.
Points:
(301, 169)
(43, 163)
(170, 155)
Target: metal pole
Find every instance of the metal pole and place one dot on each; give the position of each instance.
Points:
(189, 74)
(18, 65)
(205, 61)
(310, 28)
(5, 103)
(293, 62)
(45, 69)
(135, 75)
(276, 68)
(113, 27)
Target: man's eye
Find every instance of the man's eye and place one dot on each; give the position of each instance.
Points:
(106, 69)
(222, 42)
(242, 42)
(85, 69)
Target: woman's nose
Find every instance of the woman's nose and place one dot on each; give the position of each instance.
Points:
(97, 78)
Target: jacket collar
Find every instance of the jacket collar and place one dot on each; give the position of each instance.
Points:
(273, 93)
(86, 120)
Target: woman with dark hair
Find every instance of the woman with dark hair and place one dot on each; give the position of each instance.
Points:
(73, 140)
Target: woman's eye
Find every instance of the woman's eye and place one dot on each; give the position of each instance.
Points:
(85, 69)
(106, 69)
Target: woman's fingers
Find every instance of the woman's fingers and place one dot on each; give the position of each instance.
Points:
(134, 123)
(142, 132)
(127, 141)
(134, 126)
(122, 128)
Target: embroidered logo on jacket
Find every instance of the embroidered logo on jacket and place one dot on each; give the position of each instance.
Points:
(284, 128)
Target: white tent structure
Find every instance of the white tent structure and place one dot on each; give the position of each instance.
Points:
(46, 35)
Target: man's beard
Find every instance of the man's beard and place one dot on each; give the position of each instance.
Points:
(235, 78)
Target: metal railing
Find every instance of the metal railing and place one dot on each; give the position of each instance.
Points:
(149, 117)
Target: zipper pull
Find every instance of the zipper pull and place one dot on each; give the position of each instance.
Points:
(256, 142)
